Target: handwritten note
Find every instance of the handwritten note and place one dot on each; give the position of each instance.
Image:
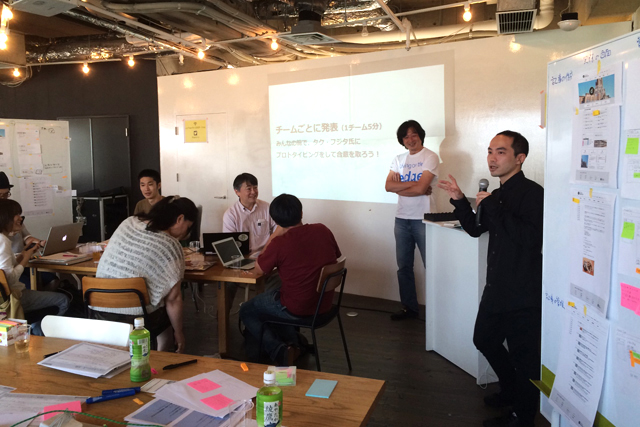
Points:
(71, 406)
(204, 385)
(628, 230)
(217, 402)
(630, 297)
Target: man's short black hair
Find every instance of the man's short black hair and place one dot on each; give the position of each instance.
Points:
(149, 173)
(404, 128)
(8, 210)
(286, 210)
(242, 178)
(520, 144)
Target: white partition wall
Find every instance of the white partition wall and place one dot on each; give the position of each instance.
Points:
(490, 85)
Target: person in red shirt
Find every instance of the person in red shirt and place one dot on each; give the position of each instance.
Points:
(298, 251)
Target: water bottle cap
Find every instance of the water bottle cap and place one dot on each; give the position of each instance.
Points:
(138, 322)
(269, 377)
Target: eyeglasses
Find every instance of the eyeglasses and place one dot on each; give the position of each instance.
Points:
(5, 195)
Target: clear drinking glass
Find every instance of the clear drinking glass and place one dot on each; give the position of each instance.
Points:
(23, 337)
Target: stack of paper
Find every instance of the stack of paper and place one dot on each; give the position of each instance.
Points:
(202, 400)
(20, 406)
(89, 360)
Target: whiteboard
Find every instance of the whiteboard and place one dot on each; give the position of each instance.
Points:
(617, 406)
(41, 184)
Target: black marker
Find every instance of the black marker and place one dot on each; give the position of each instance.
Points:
(177, 365)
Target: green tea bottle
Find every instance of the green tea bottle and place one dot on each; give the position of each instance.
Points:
(139, 346)
(269, 402)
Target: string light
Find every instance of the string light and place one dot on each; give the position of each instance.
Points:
(467, 12)
(131, 62)
(6, 15)
(4, 22)
(274, 44)
(181, 59)
(16, 72)
(3, 40)
(85, 68)
(200, 54)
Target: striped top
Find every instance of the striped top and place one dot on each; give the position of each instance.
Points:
(133, 251)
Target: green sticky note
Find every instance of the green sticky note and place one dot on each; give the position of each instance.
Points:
(636, 174)
(628, 230)
(632, 146)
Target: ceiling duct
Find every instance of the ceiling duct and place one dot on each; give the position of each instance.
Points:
(43, 7)
(308, 30)
(14, 55)
(516, 16)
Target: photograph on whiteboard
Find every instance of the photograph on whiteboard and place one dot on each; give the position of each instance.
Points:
(630, 183)
(600, 87)
(578, 383)
(591, 226)
(595, 147)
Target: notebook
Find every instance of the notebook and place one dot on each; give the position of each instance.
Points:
(242, 240)
(230, 255)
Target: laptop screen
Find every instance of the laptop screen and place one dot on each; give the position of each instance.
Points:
(228, 250)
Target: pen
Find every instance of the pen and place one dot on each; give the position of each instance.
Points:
(111, 396)
(50, 354)
(120, 390)
(177, 365)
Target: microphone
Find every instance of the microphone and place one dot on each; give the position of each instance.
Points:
(483, 185)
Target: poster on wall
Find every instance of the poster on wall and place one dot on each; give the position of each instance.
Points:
(5, 151)
(195, 131)
(594, 152)
(591, 238)
(36, 195)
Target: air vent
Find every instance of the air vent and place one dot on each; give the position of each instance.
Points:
(308, 38)
(517, 21)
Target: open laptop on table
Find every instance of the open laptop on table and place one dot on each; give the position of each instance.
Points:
(230, 255)
(61, 239)
(242, 240)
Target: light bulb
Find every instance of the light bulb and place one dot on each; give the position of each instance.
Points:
(3, 45)
(200, 54)
(3, 37)
(131, 62)
(85, 68)
(274, 44)
(6, 13)
(181, 59)
(16, 72)
(365, 31)
(230, 66)
(467, 12)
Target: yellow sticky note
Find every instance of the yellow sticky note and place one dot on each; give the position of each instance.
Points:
(577, 111)
(599, 65)
(590, 192)
(571, 304)
(632, 146)
(628, 230)
(596, 112)
(138, 401)
(585, 310)
(576, 200)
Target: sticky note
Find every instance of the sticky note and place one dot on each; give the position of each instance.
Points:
(244, 367)
(596, 112)
(204, 385)
(138, 401)
(154, 372)
(571, 304)
(217, 402)
(628, 230)
(636, 175)
(575, 200)
(71, 406)
(577, 111)
(630, 297)
(591, 192)
(585, 310)
(632, 146)
(599, 66)
(321, 388)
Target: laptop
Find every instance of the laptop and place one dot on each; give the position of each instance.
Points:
(242, 240)
(62, 238)
(230, 255)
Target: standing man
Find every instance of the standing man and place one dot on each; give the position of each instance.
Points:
(150, 186)
(249, 213)
(410, 177)
(511, 302)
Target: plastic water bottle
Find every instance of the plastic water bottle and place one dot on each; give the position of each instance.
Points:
(139, 346)
(269, 402)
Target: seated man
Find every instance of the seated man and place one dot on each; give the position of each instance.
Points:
(249, 213)
(150, 187)
(299, 251)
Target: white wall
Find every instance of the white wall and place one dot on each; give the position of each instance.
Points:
(496, 88)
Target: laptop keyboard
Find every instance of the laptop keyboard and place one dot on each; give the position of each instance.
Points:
(242, 262)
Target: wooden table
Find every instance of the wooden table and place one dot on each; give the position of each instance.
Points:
(350, 404)
(217, 274)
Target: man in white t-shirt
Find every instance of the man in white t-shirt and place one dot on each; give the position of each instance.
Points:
(410, 177)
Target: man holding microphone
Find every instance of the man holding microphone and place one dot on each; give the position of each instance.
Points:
(511, 302)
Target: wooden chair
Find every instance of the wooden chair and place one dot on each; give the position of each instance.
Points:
(31, 317)
(332, 276)
(88, 330)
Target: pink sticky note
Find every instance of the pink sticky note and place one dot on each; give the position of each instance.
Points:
(630, 297)
(204, 385)
(71, 406)
(217, 402)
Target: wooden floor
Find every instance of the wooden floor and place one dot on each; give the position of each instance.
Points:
(423, 389)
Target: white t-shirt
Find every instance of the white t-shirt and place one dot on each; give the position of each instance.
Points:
(257, 221)
(410, 167)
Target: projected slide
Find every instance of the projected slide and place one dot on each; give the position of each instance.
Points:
(334, 139)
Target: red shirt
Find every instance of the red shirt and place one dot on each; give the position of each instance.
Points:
(299, 255)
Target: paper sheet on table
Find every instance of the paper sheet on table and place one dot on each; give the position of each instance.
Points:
(36, 195)
(630, 183)
(231, 388)
(632, 94)
(155, 384)
(591, 245)
(594, 151)
(91, 360)
(19, 406)
(5, 389)
(578, 384)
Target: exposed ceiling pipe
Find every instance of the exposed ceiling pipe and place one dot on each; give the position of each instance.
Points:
(391, 15)
(545, 16)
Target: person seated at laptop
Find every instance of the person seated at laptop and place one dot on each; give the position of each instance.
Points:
(150, 186)
(10, 223)
(299, 251)
(148, 245)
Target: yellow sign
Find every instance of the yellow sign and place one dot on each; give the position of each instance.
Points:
(195, 131)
